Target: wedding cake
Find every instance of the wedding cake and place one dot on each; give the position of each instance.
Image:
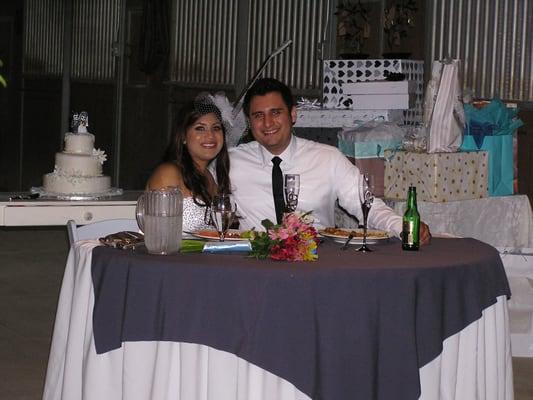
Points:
(78, 168)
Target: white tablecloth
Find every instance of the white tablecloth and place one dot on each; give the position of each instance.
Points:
(503, 221)
(475, 363)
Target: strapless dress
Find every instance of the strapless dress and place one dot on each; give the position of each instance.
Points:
(193, 216)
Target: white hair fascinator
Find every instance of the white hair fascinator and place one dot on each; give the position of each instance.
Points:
(234, 123)
(232, 115)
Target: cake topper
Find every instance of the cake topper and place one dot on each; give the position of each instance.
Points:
(79, 122)
(84, 122)
(74, 122)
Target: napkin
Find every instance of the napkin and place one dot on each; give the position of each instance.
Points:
(241, 246)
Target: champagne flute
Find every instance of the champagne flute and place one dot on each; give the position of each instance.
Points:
(223, 211)
(366, 197)
(292, 190)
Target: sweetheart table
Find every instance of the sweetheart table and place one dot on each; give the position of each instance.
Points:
(390, 324)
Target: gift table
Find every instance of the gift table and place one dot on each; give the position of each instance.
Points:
(502, 221)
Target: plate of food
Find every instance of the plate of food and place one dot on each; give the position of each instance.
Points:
(341, 234)
(231, 235)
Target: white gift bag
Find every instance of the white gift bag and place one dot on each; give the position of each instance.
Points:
(443, 109)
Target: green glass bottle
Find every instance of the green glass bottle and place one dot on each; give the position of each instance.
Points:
(411, 223)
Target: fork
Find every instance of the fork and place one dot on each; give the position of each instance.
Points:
(345, 245)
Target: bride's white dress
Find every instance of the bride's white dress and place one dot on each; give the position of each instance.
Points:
(194, 216)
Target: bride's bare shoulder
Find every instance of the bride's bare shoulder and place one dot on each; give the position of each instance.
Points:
(166, 174)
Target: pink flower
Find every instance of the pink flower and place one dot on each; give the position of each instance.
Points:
(295, 239)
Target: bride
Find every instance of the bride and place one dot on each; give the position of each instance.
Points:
(199, 139)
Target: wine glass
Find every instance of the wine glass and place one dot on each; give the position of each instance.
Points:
(292, 189)
(223, 211)
(366, 197)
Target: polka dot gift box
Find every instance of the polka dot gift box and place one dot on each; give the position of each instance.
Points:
(438, 177)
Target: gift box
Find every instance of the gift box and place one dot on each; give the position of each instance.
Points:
(380, 87)
(332, 118)
(391, 101)
(365, 147)
(338, 73)
(438, 177)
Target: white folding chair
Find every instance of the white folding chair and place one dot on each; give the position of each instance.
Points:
(99, 229)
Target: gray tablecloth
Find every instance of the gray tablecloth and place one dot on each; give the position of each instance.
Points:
(349, 326)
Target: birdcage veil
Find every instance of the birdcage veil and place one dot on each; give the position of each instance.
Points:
(234, 123)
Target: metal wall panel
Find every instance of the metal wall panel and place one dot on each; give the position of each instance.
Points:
(95, 24)
(43, 40)
(272, 22)
(492, 37)
(95, 30)
(205, 42)
(204, 39)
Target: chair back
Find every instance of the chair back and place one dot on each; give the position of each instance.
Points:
(99, 229)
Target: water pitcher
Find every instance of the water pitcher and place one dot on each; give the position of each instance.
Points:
(159, 215)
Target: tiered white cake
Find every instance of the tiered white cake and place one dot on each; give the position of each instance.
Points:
(78, 168)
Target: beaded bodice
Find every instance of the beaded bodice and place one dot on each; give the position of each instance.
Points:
(193, 216)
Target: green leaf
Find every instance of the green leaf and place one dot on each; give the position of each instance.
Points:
(261, 245)
(268, 224)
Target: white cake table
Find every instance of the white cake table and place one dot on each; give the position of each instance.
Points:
(40, 212)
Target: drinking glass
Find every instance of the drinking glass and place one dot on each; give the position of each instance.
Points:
(292, 190)
(223, 211)
(366, 197)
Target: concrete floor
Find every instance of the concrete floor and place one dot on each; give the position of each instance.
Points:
(31, 269)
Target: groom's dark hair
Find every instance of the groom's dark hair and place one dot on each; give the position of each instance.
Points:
(264, 86)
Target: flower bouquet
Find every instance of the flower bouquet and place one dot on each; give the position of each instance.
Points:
(295, 239)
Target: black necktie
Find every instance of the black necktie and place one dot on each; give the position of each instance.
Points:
(277, 188)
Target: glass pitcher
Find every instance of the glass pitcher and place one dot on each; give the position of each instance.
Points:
(159, 214)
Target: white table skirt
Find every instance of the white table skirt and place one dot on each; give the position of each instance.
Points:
(475, 363)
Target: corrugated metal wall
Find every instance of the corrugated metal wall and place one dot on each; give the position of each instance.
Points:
(206, 44)
(94, 30)
(271, 22)
(43, 40)
(204, 37)
(492, 37)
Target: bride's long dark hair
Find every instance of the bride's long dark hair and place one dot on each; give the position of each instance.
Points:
(178, 153)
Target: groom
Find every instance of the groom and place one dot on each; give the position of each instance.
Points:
(325, 173)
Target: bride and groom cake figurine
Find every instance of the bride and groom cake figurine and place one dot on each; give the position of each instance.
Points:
(79, 122)
(78, 168)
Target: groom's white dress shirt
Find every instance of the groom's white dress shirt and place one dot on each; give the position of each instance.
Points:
(325, 176)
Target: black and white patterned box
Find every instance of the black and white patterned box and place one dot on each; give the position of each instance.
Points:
(338, 72)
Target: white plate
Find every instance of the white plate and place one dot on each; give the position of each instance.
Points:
(372, 235)
(231, 235)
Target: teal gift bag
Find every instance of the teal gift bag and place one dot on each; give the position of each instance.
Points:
(492, 129)
(500, 149)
